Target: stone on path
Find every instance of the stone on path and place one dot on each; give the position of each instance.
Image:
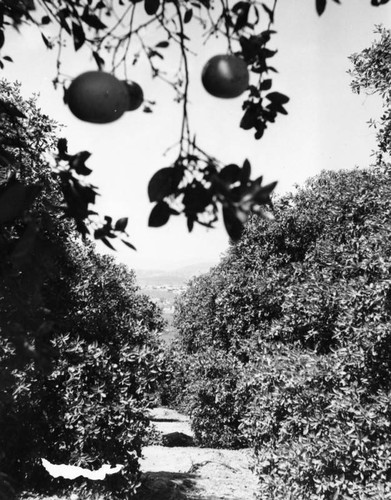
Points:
(179, 471)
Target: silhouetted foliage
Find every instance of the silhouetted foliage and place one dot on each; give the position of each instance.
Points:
(115, 34)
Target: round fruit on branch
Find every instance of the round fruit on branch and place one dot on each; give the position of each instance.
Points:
(225, 76)
(97, 97)
(135, 95)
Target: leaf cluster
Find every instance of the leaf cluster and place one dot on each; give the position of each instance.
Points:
(179, 189)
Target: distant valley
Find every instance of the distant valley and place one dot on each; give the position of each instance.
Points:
(163, 287)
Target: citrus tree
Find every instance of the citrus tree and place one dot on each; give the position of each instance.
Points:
(294, 329)
(77, 345)
(116, 34)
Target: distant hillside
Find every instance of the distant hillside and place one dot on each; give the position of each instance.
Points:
(176, 277)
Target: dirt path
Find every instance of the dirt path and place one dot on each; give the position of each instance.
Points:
(184, 471)
(192, 473)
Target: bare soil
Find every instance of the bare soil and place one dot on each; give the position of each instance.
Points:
(196, 473)
(187, 473)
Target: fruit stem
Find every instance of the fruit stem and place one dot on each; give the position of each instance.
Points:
(226, 23)
(185, 131)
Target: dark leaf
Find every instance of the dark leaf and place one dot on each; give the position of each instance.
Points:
(263, 195)
(79, 36)
(45, 20)
(159, 214)
(197, 198)
(259, 194)
(77, 161)
(162, 45)
(121, 224)
(2, 38)
(92, 20)
(107, 243)
(151, 6)
(188, 15)
(260, 131)
(320, 6)
(242, 16)
(232, 224)
(205, 3)
(8, 58)
(230, 173)
(62, 16)
(162, 184)
(277, 97)
(62, 146)
(277, 108)
(249, 118)
(129, 244)
(266, 85)
(245, 173)
(265, 53)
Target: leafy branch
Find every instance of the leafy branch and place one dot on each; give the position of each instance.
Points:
(115, 33)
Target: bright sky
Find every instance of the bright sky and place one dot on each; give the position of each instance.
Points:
(325, 129)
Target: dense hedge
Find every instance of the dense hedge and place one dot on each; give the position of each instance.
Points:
(293, 330)
(78, 351)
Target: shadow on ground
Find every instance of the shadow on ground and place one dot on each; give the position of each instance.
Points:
(164, 485)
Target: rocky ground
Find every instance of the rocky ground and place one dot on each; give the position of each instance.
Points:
(192, 473)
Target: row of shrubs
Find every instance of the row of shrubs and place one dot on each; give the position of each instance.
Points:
(285, 346)
(78, 351)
